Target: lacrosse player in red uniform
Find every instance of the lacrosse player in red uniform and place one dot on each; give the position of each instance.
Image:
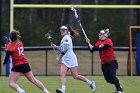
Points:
(68, 58)
(108, 58)
(15, 49)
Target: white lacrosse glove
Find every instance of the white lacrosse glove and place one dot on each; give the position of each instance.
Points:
(90, 46)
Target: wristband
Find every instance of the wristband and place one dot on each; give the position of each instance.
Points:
(62, 53)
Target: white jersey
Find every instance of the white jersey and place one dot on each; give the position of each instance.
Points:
(69, 59)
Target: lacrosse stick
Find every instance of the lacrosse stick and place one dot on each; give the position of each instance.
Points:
(49, 37)
(5, 40)
(77, 18)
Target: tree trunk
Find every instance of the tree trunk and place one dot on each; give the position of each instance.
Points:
(95, 11)
(132, 14)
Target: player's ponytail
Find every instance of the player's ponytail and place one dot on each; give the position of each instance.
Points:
(73, 32)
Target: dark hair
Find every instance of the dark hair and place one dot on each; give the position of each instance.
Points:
(73, 32)
(14, 35)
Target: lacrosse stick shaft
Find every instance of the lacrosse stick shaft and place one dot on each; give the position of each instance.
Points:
(77, 17)
(49, 37)
(82, 29)
(55, 54)
(54, 51)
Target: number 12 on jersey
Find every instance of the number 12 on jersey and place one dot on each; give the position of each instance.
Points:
(21, 51)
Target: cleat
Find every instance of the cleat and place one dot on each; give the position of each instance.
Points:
(93, 86)
(119, 91)
(59, 91)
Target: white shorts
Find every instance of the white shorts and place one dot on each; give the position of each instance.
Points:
(70, 60)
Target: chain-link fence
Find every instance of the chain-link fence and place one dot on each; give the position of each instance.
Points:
(43, 61)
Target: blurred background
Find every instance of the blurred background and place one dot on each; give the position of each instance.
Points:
(33, 23)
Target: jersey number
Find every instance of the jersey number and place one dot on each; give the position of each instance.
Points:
(21, 51)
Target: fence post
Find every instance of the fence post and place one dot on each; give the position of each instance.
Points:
(46, 63)
(92, 69)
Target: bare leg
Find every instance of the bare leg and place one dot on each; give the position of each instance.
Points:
(36, 82)
(76, 75)
(63, 71)
(12, 81)
(82, 78)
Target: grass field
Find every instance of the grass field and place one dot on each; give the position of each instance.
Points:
(129, 84)
(37, 62)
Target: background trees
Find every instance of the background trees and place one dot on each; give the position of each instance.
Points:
(34, 23)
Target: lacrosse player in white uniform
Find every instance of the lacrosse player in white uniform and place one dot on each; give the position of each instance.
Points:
(68, 59)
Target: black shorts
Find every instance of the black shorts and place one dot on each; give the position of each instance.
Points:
(112, 65)
(23, 68)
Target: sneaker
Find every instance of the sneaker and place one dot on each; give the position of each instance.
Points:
(60, 91)
(93, 86)
(119, 90)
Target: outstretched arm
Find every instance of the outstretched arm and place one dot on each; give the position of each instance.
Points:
(105, 47)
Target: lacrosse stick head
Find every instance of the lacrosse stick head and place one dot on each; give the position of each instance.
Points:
(5, 39)
(73, 9)
(75, 12)
(49, 35)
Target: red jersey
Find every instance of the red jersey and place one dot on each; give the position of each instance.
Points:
(17, 55)
(107, 55)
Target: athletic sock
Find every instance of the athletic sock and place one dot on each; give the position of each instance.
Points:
(89, 82)
(63, 87)
(20, 90)
(45, 90)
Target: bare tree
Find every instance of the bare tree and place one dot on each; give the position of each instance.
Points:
(95, 11)
(132, 14)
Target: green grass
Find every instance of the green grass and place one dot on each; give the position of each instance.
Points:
(129, 84)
